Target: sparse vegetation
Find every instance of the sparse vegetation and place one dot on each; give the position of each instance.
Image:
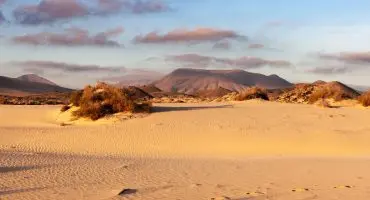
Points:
(364, 99)
(75, 97)
(103, 99)
(252, 93)
(2, 100)
(328, 93)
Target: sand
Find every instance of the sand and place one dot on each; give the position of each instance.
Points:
(248, 150)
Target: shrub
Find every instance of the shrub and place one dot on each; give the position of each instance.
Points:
(103, 99)
(252, 93)
(328, 92)
(65, 108)
(364, 99)
(75, 97)
(2, 100)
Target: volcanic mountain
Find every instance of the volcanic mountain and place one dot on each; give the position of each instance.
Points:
(35, 79)
(28, 84)
(192, 81)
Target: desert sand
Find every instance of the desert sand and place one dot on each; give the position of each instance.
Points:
(247, 150)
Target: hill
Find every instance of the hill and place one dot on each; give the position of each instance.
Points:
(35, 79)
(309, 93)
(192, 81)
(27, 85)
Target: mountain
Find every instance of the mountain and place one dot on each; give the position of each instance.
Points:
(192, 81)
(135, 78)
(35, 79)
(26, 85)
(218, 92)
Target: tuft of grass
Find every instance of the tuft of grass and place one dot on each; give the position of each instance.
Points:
(252, 93)
(364, 99)
(103, 99)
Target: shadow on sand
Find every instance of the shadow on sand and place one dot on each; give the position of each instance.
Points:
(9, 192)
(14, 169)
(157, 109)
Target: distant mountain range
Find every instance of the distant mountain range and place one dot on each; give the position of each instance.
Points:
(197, 82)
(28, 84)
(192, 81)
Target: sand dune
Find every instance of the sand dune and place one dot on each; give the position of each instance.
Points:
(248, 150)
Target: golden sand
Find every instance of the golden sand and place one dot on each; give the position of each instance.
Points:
(248, 150)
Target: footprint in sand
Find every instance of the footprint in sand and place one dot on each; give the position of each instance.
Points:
(221, 198)
(300, 190)
(255, 194)
(343, 186)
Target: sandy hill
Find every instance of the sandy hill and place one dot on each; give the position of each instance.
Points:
(29, 84)
(191, 81)
(302, 92)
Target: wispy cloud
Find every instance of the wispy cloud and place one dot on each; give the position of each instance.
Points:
(183, 35)
(41, 66)
(48, 11)
(132, 6)
(349, 57)
(246, 62)
(222, 45)
(2, 18)
(71, 37)
(329, 70)
(340, 63)
(2, 2)
(256, 46)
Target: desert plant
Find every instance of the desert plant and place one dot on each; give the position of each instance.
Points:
(75, 97)
(2, 100)
(364, 99)
(252, 93)
(103, 99)
(326, 93)
(65, 108)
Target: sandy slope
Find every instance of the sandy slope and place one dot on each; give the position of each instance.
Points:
(185, 151)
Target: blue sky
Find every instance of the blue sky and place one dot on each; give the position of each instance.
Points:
(327, 40)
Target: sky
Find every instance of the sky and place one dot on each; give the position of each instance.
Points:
(77, 42)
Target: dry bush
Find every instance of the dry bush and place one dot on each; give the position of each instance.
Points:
(2, 100)
(75, 97)
(364, 99)
(65, 108)
(252, 93)
(326, 93)
(103, 99)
